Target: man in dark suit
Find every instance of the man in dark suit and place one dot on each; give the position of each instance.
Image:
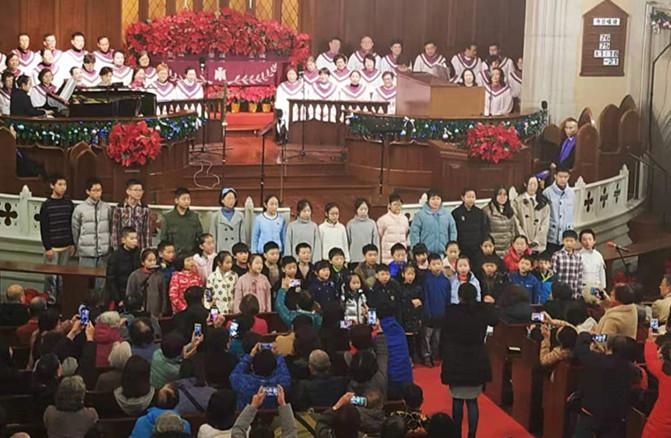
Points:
(20, 104)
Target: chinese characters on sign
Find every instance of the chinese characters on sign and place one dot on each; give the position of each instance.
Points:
(604, 40)
(610, 57)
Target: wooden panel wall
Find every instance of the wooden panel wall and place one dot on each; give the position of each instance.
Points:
(62, 17)
(451, 23)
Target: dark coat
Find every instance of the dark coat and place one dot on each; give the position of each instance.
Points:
(472, 227)
(462, 344)
(120, 265)
(518, 313)
(21, 105)
(13, 314)
(319, 390)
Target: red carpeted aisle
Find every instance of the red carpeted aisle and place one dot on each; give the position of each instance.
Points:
(494, 422)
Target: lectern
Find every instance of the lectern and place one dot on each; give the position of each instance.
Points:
(424, 95)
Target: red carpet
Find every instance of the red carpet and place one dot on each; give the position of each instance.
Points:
(494, 422)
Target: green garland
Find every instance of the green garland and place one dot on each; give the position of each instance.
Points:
(449, 130)
(49, 133)
(660, 20)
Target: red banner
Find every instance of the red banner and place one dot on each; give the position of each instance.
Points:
(238, 71)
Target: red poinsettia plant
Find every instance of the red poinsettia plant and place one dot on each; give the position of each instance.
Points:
(226, 32)
(257, 94)
(493, 143)
(133, 144)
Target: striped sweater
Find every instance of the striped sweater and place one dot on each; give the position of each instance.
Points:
(56, 223)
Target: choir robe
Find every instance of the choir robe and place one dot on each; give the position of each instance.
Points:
(460, 63)
(90, 78)
(483, 77)
(360, 93)
(371, 78)
(104, 59)
(498, 102)
(38, 94)
(325, 60)
(28, 60)
(340, 77)
(355, 61)
(150, 75)
(310, 77)
(55, 69)
(326, 91)
(388, 63)
(164, 91)
(71, 58)
(57, 55)
(3, 58)
(122, 74)
(384, 94)
(515, 82)
(5, 100)
(285, 91)
(431, 65)
(186, 91)
(506, 64)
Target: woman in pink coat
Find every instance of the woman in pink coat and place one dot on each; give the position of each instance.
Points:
(393, 227)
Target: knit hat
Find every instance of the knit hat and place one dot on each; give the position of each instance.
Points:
(226, 190)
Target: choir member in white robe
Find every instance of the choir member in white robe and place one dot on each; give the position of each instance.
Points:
(162, 87)
(76, 75)
(144, 62)
(325, 90)
(104, 54)
(6, 92)
(121, 72)
(327, 59)
(498, 97)
(292, 88)
(356, 59)
(27, 58)
(390, 62)
(355, 89)
(431, 62)
(340, 76)
(371, 76)
(38, 94)
(138, 82)
(311, 73)
(48, 63)
(49, 43)
(505, 63)
(105, 77)
(74, 57)
(3, 59)
(189, 88)
(486, 71)
(467, 79)
(467, 59)
(90, 75)
(12, 64)
(387, 92)
(515, 79)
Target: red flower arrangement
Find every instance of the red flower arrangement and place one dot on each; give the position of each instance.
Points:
(133, 144)
(257, 94)
(226, 32)
(493, 143)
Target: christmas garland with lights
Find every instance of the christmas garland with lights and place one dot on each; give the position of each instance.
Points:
(97, 132)
(660, 20)
(448, 130)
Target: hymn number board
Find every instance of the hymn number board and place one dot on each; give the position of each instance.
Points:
(604, 40)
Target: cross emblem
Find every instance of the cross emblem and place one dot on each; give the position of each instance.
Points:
(589, 201)
(617, 193)
(604, 197)
(8, 214)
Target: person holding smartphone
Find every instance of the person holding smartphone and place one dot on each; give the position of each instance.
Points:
(286, 414)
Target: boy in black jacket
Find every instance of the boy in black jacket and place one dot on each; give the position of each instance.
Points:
(472, 225)
(385, 292)
(339, 271)
(492, 281)
(121, 264)
(56, 231)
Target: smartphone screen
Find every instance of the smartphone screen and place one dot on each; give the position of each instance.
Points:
(266, 345)
(197, 329)
(537, 317)
(372, 317)
(294, 283)
(214, 313)
(233, 329)
(358, 400)
(346, 324)
(208, 295)
(600, 338)
(84, 316)
(654, 324)
(270, 391)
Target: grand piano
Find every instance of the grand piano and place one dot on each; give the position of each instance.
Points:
(111, 101)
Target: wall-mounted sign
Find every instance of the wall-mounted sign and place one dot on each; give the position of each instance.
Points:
(604, 40)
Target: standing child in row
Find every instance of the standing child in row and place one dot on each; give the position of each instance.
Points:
(332, 233)
(411, 308)
(385, 292)
(437, 291)
(339, 272)
(500, 216)
(361, 230)
(519, 248)
(303, 230)
(254, 283)
(400, 260)
(545, 275)
(368, 267)
(525, 278)
(323, 289)
(166, 260)
(304, 273)
(269, 226)
(240, 258)
(472, 224)
(271, 258)
(146, 287)
(353, 299)
(221, 283)
(593, 265)
(393, 227)
(133, 213)
(462, 275)
(289, 268)
(204, 258)
(567, 263)
(181, 225)
(184, 277)
(488, 248)
(120, 265)
(492, 281)
(452, 252)
(227, 224)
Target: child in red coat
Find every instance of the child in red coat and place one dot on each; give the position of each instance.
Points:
(518, 248)
(185, 276)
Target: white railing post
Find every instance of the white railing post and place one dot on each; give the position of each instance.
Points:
(580, 195)
(23, 211)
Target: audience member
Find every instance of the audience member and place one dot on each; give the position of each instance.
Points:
(368, 369)
(305, 306)
(258, 368)
(195, 392)
(415, 420)
(141, 336)
(515, 305)
(343, 420)
(193, 313)
(13, 312)
(220, 415)
(662, 306)
(169, 425)
(621, 318)
(562, 297)
(566, 337)
(167, 359)
(286, 416)
(442, 426)
(68, 417)
(321, 388)
(106, 334)
(136, 392)
(119, 355)
(167, 399)
(658, 362)
(25, 332)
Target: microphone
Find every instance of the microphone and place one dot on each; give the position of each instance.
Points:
(201, 62)
(617, 247)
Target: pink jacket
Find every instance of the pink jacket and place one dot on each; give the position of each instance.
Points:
(393, 228)
(255, 284)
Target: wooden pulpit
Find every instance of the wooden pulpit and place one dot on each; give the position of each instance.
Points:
(424, 95)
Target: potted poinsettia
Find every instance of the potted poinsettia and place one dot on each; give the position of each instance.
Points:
(267, 99)
(493, 143)
(133, 144)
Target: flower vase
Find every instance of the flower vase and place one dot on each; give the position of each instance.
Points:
(235, 107)
(252, 107)
(266, 107)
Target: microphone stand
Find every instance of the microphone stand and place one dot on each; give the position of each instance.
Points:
(263, 134)
(301, 154)
(627, 270)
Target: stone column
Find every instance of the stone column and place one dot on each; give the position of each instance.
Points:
(551, 35)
